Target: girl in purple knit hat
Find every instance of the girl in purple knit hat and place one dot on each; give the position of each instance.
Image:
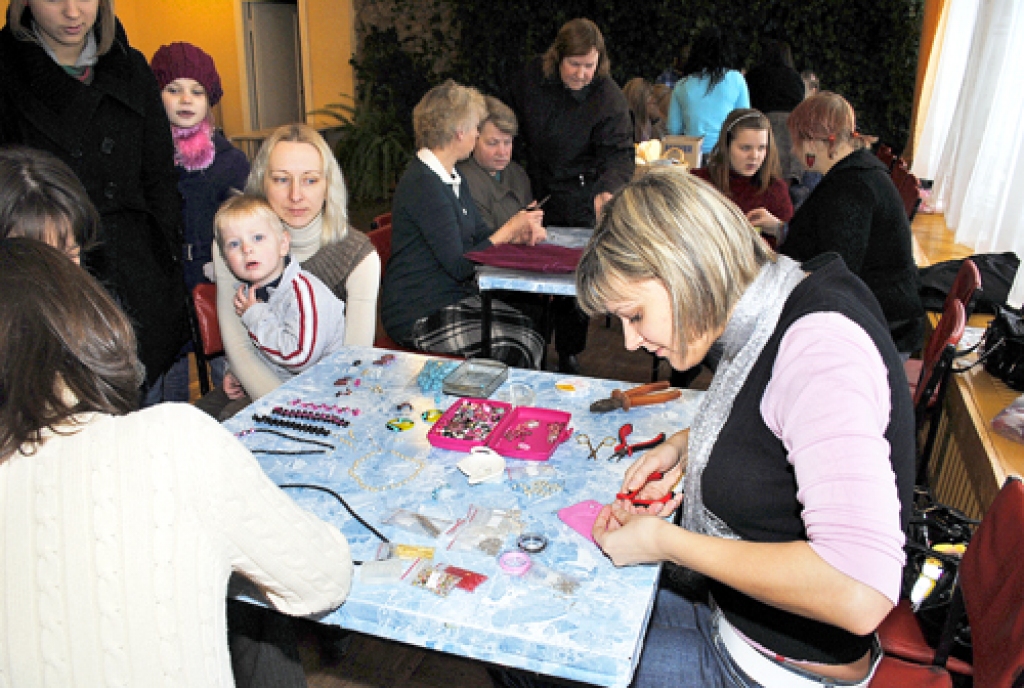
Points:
(209, 168)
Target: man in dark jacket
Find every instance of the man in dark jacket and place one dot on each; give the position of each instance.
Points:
(576, 140)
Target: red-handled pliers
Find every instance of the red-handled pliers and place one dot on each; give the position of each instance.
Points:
(631, 496)
(623, 448)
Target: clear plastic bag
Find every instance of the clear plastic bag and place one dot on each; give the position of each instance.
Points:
(430, 526)
(432, 577)
(561, 583)
(382, 572)
(486, 529)
(1010, 421)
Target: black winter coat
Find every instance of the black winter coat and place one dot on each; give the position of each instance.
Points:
(572, 150)
(855, 211)
(202, 192)
(115, 136)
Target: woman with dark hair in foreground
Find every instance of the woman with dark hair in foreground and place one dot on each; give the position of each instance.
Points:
(121, 527)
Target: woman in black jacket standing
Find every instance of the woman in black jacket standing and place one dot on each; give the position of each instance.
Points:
(576, 143)
(70, 84)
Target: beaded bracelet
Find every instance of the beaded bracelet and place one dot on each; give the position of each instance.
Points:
(291, 424)
(305, 414)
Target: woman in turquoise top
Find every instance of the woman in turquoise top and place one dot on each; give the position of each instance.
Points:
(709, 91)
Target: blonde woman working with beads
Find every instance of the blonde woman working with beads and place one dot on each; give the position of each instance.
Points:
(298, 175)
(799, 462)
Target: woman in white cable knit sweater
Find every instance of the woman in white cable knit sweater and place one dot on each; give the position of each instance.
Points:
(119, 529)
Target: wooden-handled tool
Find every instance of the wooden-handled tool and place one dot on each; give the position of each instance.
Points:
(654, 393)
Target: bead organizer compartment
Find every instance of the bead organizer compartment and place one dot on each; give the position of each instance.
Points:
(525, 432)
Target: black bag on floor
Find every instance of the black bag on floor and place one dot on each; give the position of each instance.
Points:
(936, 538)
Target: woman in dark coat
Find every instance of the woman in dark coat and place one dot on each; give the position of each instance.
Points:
(576, 143)
(70, 84)
(855, 211)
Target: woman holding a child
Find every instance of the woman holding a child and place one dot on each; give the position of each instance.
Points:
(299, 177)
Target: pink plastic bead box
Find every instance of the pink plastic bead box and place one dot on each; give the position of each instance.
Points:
(524, 432)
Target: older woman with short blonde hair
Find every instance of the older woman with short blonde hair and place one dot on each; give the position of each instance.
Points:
(798, 465)
(430, 301)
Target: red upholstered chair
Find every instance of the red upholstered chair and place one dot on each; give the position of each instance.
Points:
(205, 331)
(896, 673)
(936, 363)
(990, 590)
(380, 222)
(885, 154)
(381, 240)
(908, 187)
(966, 283)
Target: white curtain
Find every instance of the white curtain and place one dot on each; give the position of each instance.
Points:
(949, 78)
(979, 180)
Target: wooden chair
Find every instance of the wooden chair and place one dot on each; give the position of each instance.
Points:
(989, 589)
(930, 389)
(206, 331)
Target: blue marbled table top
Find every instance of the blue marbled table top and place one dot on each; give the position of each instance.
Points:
(592, 635)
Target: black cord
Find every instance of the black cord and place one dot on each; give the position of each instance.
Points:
(293, 438)
(288, 452)
(343, 503)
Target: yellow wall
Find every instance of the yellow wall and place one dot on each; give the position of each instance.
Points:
(215, 26)
(209, 24)
(330, 39)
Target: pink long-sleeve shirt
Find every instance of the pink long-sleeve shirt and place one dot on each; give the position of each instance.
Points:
(828, 402)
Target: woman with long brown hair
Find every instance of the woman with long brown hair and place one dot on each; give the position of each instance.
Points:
(120, 528)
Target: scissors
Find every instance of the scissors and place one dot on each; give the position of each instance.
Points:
(637, 501)
(624, 448)
(585, 439)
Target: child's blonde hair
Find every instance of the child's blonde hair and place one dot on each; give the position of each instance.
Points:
(241, 207)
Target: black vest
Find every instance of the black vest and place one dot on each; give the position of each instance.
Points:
(750, 485)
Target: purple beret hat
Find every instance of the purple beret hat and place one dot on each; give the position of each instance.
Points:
(186, 61)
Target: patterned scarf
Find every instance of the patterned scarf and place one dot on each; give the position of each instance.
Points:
(193, 146)
(752, 322)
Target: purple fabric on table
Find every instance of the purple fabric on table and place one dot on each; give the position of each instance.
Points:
(540, 258)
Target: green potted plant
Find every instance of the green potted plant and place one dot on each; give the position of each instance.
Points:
(373, 148)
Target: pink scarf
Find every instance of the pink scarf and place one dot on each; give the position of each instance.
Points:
(193, 146)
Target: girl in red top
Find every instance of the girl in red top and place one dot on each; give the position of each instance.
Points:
(744, 166)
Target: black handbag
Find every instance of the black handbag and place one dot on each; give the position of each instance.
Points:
(936, 538)
(1002, 347)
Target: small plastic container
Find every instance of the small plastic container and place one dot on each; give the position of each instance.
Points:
(477, 377)
(524, 432)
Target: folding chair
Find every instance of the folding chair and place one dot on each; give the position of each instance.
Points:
(990, 589)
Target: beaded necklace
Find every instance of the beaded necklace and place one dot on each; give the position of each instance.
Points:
(354, 471)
